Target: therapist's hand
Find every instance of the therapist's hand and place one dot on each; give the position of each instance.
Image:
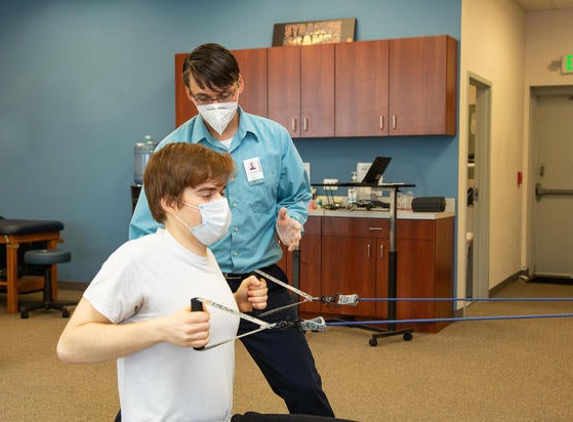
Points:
(289, 230)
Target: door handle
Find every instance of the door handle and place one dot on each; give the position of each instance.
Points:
(540, 191)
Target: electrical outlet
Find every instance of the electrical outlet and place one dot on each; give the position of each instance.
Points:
(329, 182)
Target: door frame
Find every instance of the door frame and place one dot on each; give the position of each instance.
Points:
(481, 250)
(534, 93)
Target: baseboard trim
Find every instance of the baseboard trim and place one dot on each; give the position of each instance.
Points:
(459, 313)
(509, 280)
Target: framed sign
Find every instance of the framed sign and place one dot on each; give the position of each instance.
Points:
(314, 32)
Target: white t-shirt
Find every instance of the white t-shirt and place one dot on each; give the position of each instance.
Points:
(154, 276)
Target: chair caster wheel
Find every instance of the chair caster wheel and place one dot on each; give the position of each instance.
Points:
(407, 337)
(373, 342)
(24, 315)
(65, 313)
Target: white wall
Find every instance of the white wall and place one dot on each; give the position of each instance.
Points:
(549, 35)
(493, 48)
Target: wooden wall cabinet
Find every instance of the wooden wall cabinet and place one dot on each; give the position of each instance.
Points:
(395, 87)
(184, 108)
(423, 86)
(253, 66)
(361, 90)
(301, 89)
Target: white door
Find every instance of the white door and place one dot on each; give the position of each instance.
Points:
(552, 213)
(477, 279)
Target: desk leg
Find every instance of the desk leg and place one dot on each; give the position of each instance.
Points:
(11, 277)
(53, 244)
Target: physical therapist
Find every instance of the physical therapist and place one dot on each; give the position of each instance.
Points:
(268, 197)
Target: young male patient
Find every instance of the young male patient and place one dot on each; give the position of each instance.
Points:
(137, 308)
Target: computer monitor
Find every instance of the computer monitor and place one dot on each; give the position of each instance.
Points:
(376, 170)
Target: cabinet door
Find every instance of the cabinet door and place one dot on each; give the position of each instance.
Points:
(184, 108)
(348, 267)
(423, 86)
(284, 87)
(253, 67)
(361, 88)
(301, 89)
(425, 251)
(310, 270)
(317, 91)
(309, 263)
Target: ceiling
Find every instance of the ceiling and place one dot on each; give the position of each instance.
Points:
(536, 5)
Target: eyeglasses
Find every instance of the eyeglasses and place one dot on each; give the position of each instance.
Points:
(223, 97)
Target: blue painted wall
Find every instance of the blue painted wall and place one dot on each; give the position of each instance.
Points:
(80, 82)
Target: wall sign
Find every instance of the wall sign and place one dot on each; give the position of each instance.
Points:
(567, 63)
(314, 32)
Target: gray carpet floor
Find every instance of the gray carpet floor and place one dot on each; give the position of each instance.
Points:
(508, 370)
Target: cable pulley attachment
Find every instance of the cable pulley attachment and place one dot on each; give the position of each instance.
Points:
(315, 324)
(335, 300)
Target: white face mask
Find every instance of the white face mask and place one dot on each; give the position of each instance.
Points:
(218, 115)
(215, 221)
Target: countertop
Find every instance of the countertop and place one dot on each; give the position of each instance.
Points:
(408, 215)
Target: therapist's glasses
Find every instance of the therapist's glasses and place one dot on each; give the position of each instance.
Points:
(223, 97)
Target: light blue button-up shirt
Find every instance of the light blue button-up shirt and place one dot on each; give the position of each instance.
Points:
(251, 242)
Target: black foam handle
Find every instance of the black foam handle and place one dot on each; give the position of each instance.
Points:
(196, 305)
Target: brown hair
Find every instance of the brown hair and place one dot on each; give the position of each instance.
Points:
(180, 165)
(212, 66)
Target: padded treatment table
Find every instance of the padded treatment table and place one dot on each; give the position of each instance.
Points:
(12, 234)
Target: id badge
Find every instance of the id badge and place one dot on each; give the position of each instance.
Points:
(253, 169)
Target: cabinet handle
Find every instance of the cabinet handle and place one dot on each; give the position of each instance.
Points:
(394, 121)
(375, 228)
(368, 250)
(305, 124)
(381, 122)
(293, 125)
(381, 251)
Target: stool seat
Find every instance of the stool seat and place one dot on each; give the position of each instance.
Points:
(46, 256)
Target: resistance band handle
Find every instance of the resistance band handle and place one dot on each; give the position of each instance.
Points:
(197, 306)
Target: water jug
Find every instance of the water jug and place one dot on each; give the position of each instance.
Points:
(142, 152)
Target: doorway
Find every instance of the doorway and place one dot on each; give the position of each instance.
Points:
(551, 205)
(478, 187)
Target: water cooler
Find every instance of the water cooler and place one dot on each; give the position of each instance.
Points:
(142, 151)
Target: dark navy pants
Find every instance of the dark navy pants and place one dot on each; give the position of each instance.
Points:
(283, 355)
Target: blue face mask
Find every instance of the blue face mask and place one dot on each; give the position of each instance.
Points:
(215, 221)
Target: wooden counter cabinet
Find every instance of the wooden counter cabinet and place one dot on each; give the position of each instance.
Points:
(425, 269)
(350, 253)
(310, 277)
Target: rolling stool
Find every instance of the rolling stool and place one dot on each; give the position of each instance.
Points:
(46, 258)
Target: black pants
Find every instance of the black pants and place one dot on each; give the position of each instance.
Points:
(267, 417)
(283, 355)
